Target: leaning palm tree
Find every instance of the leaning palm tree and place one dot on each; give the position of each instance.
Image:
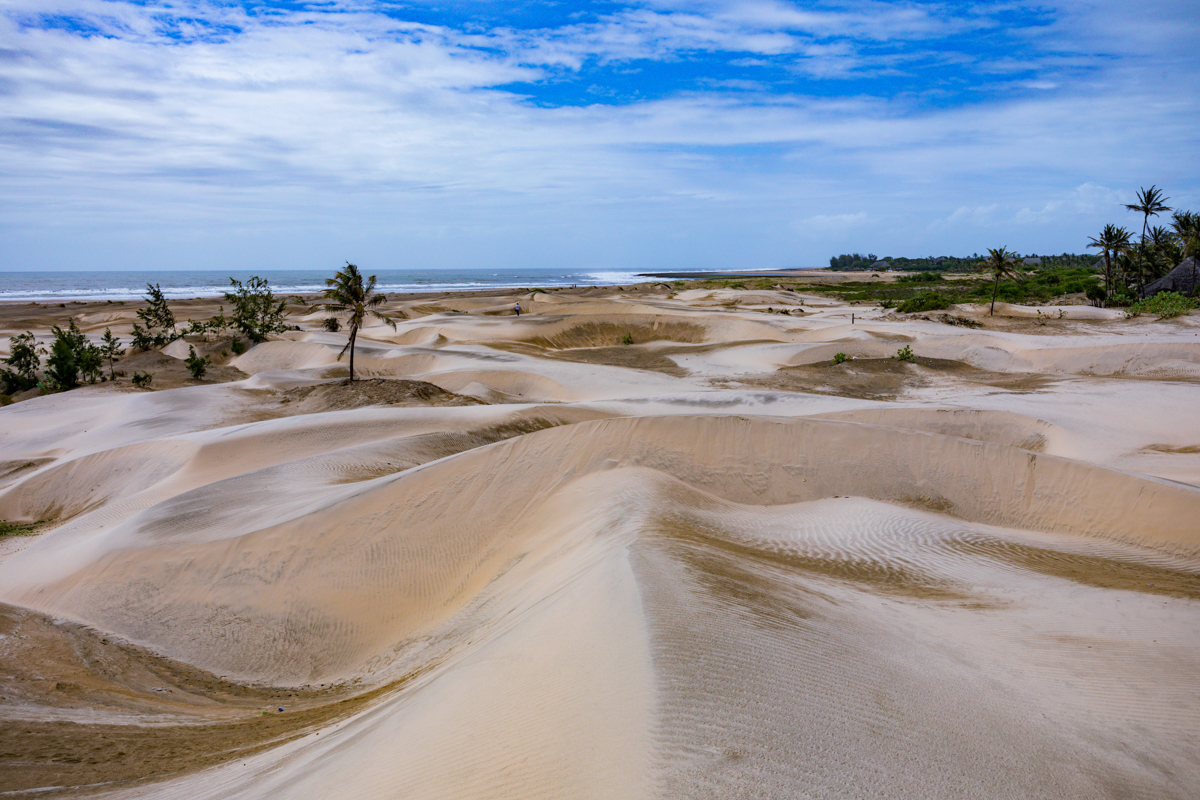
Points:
(1150, 204)
(348, 295)
(1001, 264)
(1112, 240)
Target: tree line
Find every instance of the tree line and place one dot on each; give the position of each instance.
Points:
(255, 314)
(1128, 266)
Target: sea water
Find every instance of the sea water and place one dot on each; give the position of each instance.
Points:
(131, 284)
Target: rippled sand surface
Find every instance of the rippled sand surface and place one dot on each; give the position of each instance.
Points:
(703, 565)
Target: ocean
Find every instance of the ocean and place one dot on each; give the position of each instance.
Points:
(57, 287)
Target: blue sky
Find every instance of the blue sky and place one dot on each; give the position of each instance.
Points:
(607, 135)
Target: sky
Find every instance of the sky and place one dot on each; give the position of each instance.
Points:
(712, 134)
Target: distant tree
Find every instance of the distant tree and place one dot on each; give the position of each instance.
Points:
(1187, 228)
(1150, 203)
(1000, 263)
(1112, 240)
(24, 360)
(197, 365)
(348, 295)
(111, 350)
(256, 312)
(158, 319)
(70, 355)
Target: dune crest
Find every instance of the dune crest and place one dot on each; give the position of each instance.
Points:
(647, 545)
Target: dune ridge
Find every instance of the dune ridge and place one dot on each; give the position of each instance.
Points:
(704, 563)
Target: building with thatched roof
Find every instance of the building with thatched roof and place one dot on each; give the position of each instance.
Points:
(1181, 279)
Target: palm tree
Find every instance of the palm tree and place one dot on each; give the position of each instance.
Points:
(347, 294)
(999, 264)
(1112, 240)
(1150, 204)
(1187, 227)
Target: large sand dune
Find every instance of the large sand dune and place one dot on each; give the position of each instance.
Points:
(705, 564)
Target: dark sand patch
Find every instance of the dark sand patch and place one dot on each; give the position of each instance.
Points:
(161, 717)
(172, 373)
(1096, 571)
(565, 333)
(1166, 448)
(886, 378)
(370, 392)
(626, 356)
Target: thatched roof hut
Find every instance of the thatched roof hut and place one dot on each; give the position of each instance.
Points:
(1183, 278)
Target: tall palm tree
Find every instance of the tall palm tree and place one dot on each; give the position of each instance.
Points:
(349, 295)
(1187, 227)
(1000, 265)
(1150, 204)
(1112, 240)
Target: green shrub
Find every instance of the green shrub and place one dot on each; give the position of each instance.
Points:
(158, 319)
(920, 277)
(1164, 305)
(929, 301)
(256, 312)
(72, 356)
(25, 359)
(905, 354)
(838, 358)
(1120, 298)
(142, 379)
(237, 346)
(197, 365)
(627, 339)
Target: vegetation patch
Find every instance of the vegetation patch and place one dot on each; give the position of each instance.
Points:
(10, 528)
(1164, 305)
(929, 301)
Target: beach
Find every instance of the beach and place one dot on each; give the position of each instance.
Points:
(640, 541)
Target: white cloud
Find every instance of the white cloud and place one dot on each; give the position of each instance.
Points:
(835, 223)
(336, 128)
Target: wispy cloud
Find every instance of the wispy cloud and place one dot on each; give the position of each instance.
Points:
(701, 132)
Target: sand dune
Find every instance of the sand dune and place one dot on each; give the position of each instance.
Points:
(706, 564)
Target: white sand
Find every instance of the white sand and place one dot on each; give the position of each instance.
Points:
(681, 580)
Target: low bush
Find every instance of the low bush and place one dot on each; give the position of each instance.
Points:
(905, 354)
(25, 359)
(838, 358)
(237, 346)
(142, 379)
(197, 365)
(929, 301)
(1164, 305)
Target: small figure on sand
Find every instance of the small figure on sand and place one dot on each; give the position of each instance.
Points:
(518, 307)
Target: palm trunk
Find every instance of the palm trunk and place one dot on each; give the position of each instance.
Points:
(1142, 260)
(1107, 274)
(353, 336)
(995, 288)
